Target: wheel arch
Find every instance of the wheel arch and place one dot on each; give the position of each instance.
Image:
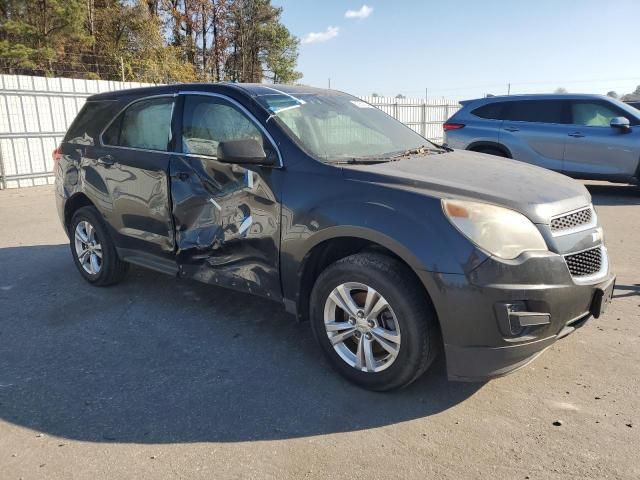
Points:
(340, 242)
(73, 204)
(479, 145)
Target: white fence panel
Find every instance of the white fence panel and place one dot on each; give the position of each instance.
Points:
(425, 117)
(35, 113)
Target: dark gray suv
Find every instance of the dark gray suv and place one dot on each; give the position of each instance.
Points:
(583, 136)
(393, 247)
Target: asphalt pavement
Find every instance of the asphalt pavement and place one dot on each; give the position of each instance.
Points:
(165, 378)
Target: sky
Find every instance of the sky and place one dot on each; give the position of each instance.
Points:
(466, 48)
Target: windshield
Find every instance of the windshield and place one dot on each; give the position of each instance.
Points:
(333, 126)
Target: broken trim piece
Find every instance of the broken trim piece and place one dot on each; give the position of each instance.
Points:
(215, 204)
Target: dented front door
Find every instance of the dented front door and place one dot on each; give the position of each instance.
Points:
(226, 216)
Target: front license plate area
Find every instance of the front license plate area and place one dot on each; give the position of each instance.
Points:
(602, 298)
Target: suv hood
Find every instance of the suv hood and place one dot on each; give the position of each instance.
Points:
(535, 192)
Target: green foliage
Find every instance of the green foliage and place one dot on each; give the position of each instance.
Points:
(280, 53)
(33, 32)
(148, 40)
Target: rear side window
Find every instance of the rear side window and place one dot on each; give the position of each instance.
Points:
(537, 111)
(145, 124)
(90, 120)
(491, 111)
(208, 121)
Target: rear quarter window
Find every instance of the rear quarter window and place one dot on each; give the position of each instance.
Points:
(90, 121)
(145, 124)
(491, 111)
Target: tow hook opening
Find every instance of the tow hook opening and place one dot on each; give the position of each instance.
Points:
(515, 319)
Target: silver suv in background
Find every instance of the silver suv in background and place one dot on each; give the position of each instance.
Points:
(583, 136)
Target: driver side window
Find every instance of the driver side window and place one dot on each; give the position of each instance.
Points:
(593, 114)
(209, 121)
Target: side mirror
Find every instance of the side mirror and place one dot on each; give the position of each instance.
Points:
(245, 151)
(621, 123)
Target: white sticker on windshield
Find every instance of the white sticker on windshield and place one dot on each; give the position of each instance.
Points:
(361, 104)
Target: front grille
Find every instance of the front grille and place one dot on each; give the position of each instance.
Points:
(585, 263)
(572, 220)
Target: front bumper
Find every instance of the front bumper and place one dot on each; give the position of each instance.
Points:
(479, 343)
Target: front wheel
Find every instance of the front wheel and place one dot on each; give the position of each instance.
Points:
(374, 321)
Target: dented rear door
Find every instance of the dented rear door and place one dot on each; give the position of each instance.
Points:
(227, 217)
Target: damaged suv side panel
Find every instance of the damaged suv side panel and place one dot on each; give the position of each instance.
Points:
(227, 216)
(227, 225)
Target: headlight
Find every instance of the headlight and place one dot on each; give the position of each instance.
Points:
(499, 231)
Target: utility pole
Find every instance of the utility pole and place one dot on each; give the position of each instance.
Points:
(508, 89)
(122, 68)
(426, 94)
(329, 83)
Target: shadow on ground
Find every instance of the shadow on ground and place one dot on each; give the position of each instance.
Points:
(614, 194)
(628, 291)
(157, 360)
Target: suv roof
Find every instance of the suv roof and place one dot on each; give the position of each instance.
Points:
(251, 89)
(538, 96)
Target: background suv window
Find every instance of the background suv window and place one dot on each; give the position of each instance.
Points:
(208, 121)
(145, 124)
(537, 111)
(595, 114)
(492, 111)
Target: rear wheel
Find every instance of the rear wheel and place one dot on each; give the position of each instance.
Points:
(373, 321)
(93, 250)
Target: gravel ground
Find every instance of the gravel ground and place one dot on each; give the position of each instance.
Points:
(165, 378)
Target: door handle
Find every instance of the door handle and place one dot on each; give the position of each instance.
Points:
(576, 135)
(512, 129)
(106, 160)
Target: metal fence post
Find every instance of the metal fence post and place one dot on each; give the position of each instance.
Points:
(3, 181)
(446, 117)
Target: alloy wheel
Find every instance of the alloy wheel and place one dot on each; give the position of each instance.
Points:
(88, 248)
(362, 327)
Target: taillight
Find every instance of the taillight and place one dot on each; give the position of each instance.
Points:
(453, 126)
(57, 153)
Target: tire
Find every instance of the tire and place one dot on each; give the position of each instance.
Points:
(492, 151)
(100, 271)
(409, 318)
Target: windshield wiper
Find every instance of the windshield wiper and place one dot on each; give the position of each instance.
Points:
(394, 156)
(421, 150)
(361, 161)
(444, 146)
